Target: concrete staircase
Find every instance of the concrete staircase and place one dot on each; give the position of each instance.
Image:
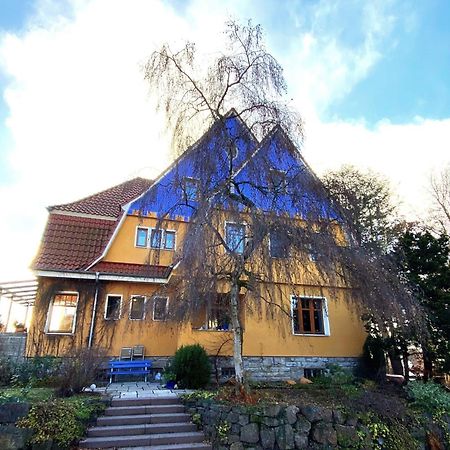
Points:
(156, 423)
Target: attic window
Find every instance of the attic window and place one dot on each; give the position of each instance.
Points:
(277, 181)
(278, 244)
(191, 188)
(235, 237)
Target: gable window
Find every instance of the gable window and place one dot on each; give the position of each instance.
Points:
(169, 240)
(160, 308)
(62, 313)
(156, 238)
(137, 307)
(235, 237)
(277, 181)
(309, 316)
(278, 245)
(141, 237)
(113, 307)
(191, 188)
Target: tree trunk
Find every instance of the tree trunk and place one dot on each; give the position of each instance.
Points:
(427, 365)
(396, 362)
(237, 334)
(405, 358)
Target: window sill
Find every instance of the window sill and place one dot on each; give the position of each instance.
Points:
(60, 333)
(212, 330)
(311, 334)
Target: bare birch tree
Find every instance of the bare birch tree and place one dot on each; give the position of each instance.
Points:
(440, 193)
(258, 216)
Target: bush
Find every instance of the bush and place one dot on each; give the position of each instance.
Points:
(62, 420)
(6, 371)
(80, 369)
(37, 371)
(191, 366)
(53, 420)
(430, 397)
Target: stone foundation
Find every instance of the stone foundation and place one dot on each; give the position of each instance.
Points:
(272, 368)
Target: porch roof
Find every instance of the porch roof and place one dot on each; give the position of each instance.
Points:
(22, 292)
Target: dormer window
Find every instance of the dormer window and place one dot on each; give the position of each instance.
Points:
(141, 237)
(191, 188)
(156, 238)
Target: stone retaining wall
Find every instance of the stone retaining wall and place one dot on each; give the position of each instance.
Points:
(277, 427)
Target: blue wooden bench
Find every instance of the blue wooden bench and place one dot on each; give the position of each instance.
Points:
(137, 367)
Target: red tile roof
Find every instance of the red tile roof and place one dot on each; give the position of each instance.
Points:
(140, 270)
(72, 242)
(107, 202)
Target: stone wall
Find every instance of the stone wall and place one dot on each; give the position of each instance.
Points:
(271, 368)
(277, 427)
(12, 345)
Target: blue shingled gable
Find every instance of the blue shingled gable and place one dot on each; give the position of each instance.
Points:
(251, 166)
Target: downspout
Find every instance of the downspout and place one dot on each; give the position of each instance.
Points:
(94, 311)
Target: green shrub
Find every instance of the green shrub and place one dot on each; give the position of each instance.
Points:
(53, 420)
(6, 371)
(37, 371)
(191, 366)
(429, 397)
(61, 420)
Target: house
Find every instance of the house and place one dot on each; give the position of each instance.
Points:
(109, 267)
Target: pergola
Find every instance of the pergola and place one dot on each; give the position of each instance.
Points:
(19, 292)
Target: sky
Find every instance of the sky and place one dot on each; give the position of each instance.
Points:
(371, 80)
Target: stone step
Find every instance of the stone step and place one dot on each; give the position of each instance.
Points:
(169, 400)
(143, 409)
(143, 440)
(142, 418)
(192, 446)
(129, 430)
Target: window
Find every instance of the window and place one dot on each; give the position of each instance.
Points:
(219, 313)
(190, 188)
(137, 307)
(309, 316)
(113, 307)
(156, 238)
(235, 237)
(62, 312)
(278, 245)
(160, 308)
(312, 373)
(169, 240)
(141, 237)
(277, 181)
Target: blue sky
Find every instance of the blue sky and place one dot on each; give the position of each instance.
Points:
(371, 79)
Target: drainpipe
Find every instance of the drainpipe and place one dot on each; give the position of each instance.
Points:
(94, 311)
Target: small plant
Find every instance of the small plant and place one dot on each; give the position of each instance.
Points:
(223, 428)
(199, 395)
(191, 366)
(429, 397)
(196, 419)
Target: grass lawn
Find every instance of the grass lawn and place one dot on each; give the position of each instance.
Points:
(32, 395)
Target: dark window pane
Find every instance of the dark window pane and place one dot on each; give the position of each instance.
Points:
(318, 322)
(279, 245)
(306, 321)
(137, 309)
(141, 237)
(305, 303)
(159, 308)
(155, 238)
(113, 307)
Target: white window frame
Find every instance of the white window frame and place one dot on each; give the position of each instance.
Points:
(136, 235)
(131, 304)
(50, 309)
(120, 307)
(154, 304)
(325, 315)
(244, 224)
(163, 238)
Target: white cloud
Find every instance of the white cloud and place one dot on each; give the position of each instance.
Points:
(81, 119)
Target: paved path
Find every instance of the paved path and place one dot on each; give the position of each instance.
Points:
(139, 389)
